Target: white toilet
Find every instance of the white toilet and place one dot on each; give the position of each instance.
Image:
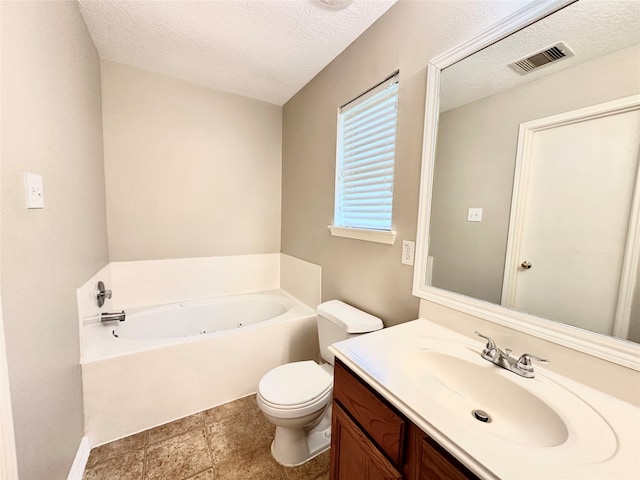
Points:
(296, 397)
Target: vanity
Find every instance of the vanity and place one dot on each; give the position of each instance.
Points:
(417, 401)
(372, 439)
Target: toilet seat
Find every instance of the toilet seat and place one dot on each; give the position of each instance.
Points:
(295, 389)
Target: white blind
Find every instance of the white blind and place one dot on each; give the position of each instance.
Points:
(365, 158)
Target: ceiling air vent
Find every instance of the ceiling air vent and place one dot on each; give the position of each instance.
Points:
(542, 58)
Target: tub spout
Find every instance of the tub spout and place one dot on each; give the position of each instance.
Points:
(112, 317)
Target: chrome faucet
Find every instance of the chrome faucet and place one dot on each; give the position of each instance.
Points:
(522, 366)
(102, 294)
(112, 317)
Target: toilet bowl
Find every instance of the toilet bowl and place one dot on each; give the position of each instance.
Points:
(296, 397)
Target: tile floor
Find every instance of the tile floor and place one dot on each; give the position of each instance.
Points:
(228, 442)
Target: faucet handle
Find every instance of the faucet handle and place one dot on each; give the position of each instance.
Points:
(524, 362)
(491, 345)
(102, 293)
(490, 351)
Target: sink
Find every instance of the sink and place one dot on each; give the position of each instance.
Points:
(538, 413)
(549, 426)
(462, 387)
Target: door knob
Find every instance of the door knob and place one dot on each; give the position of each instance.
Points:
(526, 265)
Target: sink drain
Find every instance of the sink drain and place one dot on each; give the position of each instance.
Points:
(481, 416)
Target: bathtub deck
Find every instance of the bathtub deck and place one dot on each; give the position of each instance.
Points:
(229, 442)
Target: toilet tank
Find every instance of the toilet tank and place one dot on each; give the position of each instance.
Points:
(339, 321)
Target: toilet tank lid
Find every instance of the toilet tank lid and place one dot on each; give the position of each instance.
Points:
(350, 319)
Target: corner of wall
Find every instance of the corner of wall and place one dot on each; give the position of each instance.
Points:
(80, 460)
(87, 303)
(301, 279)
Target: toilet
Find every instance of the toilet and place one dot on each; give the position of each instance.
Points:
(296, 397)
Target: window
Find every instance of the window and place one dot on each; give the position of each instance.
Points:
(365, 163)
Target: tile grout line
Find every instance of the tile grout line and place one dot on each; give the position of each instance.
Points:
(208, 439)
(119, 456)
(175, 434)
(201, 426)
(144, 455)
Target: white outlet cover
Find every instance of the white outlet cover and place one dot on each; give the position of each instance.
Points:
(34, 190)
(408, 251)
(474, 215)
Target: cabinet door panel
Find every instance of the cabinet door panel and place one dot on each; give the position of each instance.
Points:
(353, 455)
(383, 425)
(437, 464)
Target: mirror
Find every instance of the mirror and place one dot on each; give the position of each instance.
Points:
(531, 219)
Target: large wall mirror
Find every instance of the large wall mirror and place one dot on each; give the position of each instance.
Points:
(530, 200)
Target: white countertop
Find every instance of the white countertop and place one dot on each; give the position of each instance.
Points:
(603, 439)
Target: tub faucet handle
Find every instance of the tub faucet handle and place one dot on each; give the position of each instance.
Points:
(102, 294)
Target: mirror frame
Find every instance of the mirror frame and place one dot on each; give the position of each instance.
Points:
(612, 349)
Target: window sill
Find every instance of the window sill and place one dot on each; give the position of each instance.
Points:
(378, 236)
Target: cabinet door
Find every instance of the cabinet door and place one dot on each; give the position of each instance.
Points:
(353, 456)
(426, 460)
(384, 426)
(438, 464)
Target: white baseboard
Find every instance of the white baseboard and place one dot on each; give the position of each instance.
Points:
(80, 462)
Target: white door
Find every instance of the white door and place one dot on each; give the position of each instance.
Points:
(574, 199)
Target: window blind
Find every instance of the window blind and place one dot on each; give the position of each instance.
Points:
(365, 158)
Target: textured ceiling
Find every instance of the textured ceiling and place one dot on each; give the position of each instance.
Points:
(591, 28)
(263, 49)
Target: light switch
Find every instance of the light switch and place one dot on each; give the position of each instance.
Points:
(474, 215)
(34, 190)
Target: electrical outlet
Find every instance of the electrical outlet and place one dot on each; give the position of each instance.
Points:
(474, 215)
(408, 250)
(34, 190)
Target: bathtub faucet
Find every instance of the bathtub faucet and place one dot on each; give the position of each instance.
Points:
(112, 317)
(102, 294)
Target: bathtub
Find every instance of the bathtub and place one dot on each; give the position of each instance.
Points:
(165, 362)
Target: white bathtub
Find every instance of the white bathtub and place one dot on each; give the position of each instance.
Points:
(150, 327)
(169, 361)
(203, 317)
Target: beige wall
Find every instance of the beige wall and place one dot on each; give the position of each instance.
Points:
(190, 171)
(476, 160)
(51, 125)
(368, 275)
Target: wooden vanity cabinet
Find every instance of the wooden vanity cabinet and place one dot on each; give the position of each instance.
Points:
(354, 456)
(371, 440)
(426, 460)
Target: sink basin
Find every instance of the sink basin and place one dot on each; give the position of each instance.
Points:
(463, 386)
(549, 426)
